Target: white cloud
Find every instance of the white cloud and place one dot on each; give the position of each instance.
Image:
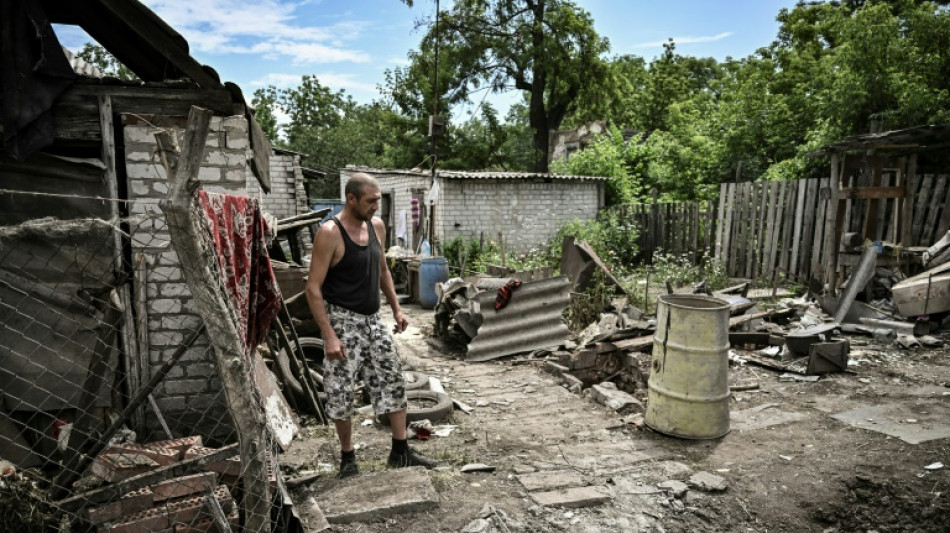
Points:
(263, 27)
(278, 79)
(686, 40)
(345, 81)
(328, 79)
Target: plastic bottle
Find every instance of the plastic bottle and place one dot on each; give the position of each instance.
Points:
(424, 249)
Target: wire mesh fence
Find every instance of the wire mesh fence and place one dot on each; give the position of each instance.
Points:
(115, 411)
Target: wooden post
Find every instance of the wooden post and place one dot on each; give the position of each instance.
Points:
(907, 214)
(130, 346)
(834, 220)
(198, 264)
(654, 223)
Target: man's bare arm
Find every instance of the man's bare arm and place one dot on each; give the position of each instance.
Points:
(386, 280)
(324, 245)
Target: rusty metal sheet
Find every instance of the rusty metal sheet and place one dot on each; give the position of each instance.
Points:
(531, 321)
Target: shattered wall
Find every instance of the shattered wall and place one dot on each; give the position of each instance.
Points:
(528, 211)
(191, 392)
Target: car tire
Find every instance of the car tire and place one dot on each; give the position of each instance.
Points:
(439, 407)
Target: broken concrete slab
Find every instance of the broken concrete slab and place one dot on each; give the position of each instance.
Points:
(762, 416)
(932, 420)
(311, 515)
(677, 489)
(707, 482)
(371, 497)
(618, 400)
(573, 497)
(555, 479)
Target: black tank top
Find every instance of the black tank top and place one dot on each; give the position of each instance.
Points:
(353, 283)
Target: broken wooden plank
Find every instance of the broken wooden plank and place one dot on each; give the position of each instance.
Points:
(218, 516)
(859, 279)
(873, 192)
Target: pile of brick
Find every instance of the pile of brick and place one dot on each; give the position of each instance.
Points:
(179, 504)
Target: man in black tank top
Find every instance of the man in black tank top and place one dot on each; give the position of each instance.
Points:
(347, 271)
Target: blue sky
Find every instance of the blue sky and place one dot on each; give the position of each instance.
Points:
(349, 44)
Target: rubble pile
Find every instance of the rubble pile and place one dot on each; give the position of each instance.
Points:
(178, 499)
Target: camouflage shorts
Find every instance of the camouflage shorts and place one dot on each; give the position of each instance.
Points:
(370, 356)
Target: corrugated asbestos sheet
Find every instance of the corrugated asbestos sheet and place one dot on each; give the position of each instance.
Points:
(531, 321)
(464, 174)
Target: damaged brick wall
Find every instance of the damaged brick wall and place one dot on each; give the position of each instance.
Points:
(287, 196)
(191, 394)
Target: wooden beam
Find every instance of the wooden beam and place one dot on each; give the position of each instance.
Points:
(130, 351)
(834, 219)
(159, 42)
(198, 263)
(870, 193)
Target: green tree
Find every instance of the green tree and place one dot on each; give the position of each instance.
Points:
(105, 62)
(264, 103)
(546, 48)
(606, 157)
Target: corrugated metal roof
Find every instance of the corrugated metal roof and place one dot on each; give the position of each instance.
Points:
(532, 320)
(465, 174)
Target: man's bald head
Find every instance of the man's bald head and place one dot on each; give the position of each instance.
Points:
(357, 184)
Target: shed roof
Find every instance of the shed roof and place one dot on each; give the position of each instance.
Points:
(484, 174)
(908, 140)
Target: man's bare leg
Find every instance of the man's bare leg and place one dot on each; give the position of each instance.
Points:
(344, 430)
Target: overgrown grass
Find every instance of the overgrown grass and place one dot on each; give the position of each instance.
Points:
(646, 283)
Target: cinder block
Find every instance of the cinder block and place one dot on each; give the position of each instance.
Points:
(180, 487)
(152, 520)
(162, 456)
(188, 510)
(116, 467)
(207, 525)
(230, 466)
(181, 444)
(133, 502)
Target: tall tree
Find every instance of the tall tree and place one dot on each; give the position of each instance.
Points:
(546, 48)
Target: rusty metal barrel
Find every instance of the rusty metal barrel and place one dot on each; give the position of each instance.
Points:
(689, 382)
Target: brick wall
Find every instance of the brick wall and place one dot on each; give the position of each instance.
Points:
(190, 397)
(528, 211)
(287, 195)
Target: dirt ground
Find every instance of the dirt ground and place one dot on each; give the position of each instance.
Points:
(789, 465)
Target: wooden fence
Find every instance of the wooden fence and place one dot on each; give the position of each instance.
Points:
(760, 228)
(685, 228)
(764, 227)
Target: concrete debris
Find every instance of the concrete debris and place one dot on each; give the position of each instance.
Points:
(476, 467)
(934, 466)
(677, 489)
(618, 400)
(366, 498)
(572, 497)
(707, 482)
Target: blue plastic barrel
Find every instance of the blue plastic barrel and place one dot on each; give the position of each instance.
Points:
(432, 270)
